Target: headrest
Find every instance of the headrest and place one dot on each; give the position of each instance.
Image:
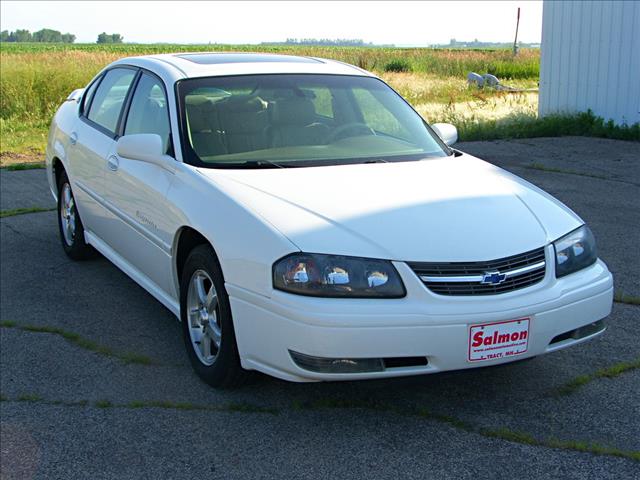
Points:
(200, 112)
(243, 104)
(196, 99)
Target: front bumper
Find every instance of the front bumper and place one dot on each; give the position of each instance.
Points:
(420, 325)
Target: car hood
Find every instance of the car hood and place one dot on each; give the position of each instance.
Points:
(442, 209)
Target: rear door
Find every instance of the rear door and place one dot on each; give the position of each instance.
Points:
(92, 141)
(136, 190)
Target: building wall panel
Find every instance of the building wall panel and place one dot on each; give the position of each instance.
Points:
(590, 59)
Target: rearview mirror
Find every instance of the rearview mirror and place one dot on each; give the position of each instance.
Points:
(447, 132)
(145, 147)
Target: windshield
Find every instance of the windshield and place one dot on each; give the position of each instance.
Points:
(299, 120)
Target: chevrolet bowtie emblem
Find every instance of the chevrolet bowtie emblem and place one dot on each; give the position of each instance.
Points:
(493, 278)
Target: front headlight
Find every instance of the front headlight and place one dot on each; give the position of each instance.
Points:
(337, 276)
(575, 251)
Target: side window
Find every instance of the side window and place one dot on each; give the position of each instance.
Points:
(377, 116)
(109, 97)
(89, 95)
(149, 112)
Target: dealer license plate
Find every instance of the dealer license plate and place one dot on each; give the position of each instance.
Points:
(499, 340)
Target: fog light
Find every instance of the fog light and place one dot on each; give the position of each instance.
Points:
(581, 332)
(337, 365)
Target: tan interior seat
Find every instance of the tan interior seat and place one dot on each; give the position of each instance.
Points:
(243, 119)
(293, 122)
(204, 126)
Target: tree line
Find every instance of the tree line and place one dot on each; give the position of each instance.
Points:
(47, 35)
(109, 38)
(44, 35)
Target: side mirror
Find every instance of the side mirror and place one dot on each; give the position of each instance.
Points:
(145, 147)
(447, 132)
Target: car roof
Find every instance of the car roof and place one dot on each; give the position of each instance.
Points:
(209, 64)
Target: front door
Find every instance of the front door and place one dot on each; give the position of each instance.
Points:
(137, 190)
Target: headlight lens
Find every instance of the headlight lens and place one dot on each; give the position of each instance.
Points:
(337, 276)
(575, 251)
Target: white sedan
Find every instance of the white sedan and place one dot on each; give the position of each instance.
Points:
(302, 220)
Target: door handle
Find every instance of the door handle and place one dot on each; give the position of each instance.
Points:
(113, 163)
(73, 138)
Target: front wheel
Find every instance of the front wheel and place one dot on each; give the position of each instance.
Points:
(207, 325)
(69, 223)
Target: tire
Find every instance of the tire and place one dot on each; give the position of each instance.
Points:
(69, 223)
(207, 324)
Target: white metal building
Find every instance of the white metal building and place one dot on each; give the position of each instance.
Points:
(591, 59)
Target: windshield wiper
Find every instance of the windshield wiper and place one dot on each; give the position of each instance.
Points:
(376, 160)
(265, 164)
(251, 164)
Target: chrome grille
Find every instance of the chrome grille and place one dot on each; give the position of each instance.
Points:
(465, 278)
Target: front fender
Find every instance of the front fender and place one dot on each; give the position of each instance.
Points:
(246, 244)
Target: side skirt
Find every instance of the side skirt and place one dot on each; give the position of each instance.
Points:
(135, 274)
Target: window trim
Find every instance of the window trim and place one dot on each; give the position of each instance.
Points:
(84, 116)
(122, 121)
(124, 111)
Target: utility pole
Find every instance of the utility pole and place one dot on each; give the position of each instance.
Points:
(515, 42)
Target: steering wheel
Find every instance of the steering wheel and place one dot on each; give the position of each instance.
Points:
(338, 132)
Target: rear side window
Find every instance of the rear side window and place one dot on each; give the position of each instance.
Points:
(109, 98)
(149, 112)
(89, 95)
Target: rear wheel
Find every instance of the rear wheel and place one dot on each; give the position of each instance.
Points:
(69, 223)
(207, 325)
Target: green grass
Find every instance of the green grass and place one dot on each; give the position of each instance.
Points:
(572, 445)
(23, 211)
(544, 168)
(164, 404)
(24, 166)
(29, 398)
(24, 133)
(444, 62)
(82, 342)
(398, 65)
(593, 448)
(512, 436)
(530, 126)
(628, 299)
(608, 372)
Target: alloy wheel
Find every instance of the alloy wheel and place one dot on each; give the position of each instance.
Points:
(68, 215)
(202, 314)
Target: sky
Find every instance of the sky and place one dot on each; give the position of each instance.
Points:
(384, 22)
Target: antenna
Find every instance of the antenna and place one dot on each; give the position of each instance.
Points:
(515, 42)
